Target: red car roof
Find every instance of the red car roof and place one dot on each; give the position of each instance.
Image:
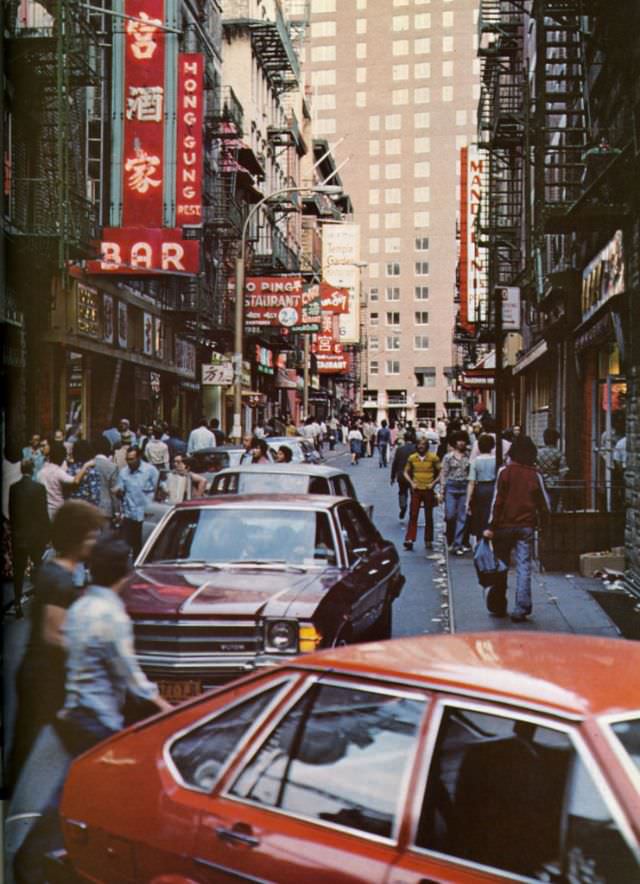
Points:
(575, 675)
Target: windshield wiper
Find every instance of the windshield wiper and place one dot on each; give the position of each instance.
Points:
(278, 563)
(186, 563)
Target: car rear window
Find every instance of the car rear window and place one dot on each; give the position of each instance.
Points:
(225, 534)
(267, 483)
(628, 734)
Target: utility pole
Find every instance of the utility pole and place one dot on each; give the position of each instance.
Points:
(497, 385)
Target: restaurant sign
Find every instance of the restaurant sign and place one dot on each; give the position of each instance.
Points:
(272, 301)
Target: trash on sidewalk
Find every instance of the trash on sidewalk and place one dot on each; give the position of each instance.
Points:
(594, 564)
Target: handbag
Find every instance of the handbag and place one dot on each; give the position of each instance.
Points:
(488, 566)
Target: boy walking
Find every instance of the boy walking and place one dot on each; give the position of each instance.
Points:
(421, 472)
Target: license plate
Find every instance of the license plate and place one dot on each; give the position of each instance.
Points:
(177, 691)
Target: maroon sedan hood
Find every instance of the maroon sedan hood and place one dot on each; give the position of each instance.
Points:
(169, 591)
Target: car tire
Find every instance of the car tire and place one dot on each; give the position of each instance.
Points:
(382, 628)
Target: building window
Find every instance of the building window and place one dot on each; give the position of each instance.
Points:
(422, 95)
(321, 6)
(323, 29)
(374, 318)
(422, 194)
(400, 47)
(374, 221)
(400, 96)
(447, 19)
(392, 293)
(422, 120)
(422, 243)
(447, 44)
(422, 46)
(374, 294)
(422, 145)
(374, 123)
(461, 118)
(392, 171)
(361, 99)
(374, 269)
(392, 146)
(461, 141)
(392, 269)
(426, 377)
(420, 342)
(361, 50)
(400, 72)
(374, 172)
(421, 292)
(422, 70)
(475, 91)
(374, 149)
(374, 246)
(392, 244)
(422, 21)
(374, 197)
(447, 93)
(393, 318)
(421, 219)
(421, 317)
(361, 75)
(323, 53)
(393, 195)
(392, 220)
(374, 343)
(361, 4)
(392, 342)
(323, 78)
(373, 368)
(447, 69)
(324, 101)
(325, 127)
(422, 169)
(392, 366)
(400, 2)
(422, 268)
(400, 23)
(392, 121)
(361, 26)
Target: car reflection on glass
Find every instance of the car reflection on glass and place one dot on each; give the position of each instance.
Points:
(467, 758)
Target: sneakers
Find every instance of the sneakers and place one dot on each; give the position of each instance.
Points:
(520, 616)
(459, 552)
(403, 512)
(408, 544)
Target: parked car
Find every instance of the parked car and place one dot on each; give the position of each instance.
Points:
(231, 583)
(209, 461)
(286, 479)
(467, 758)
(302, 449)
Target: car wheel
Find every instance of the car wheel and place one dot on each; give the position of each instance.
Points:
(381, 629)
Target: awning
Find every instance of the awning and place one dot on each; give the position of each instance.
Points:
(530, 356)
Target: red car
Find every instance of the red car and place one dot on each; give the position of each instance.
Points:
(471, 758)
(228, 584)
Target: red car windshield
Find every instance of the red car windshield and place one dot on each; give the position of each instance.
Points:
(223, 535)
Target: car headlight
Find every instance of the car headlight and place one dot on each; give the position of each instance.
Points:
(281, 636)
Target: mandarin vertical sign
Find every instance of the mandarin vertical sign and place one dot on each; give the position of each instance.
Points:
(477, 256)
(143, 158)
(189, 139)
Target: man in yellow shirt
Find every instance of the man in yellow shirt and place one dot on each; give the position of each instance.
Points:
(421, 472)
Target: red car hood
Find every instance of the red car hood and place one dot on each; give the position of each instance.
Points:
(170, 591)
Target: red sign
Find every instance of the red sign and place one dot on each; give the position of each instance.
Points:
(334, 300)
(328, 350)
(143, 158)
(133, 251)
(273, 301)
(189, 155)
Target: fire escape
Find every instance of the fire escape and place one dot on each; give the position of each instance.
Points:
(56, 64)
(502, 136)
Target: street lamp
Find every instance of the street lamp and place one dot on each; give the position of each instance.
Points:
(329, 189)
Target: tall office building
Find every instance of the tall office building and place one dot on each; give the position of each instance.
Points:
(398, 81)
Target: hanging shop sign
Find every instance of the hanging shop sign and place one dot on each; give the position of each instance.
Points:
(87, 310)
(158, 337)
(107, 318)
(123, 326)
(334, 299)
(264, 360)
(604, 277)
(474, 280)
(310, 312)
(340, 256)
(189, 138)
(273, 301)
(143, 143)
(147, 334)
(185, 355)
(218, 374)
(327, 348)
(510, 308)
(133, 251)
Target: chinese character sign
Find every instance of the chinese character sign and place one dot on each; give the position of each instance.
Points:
(273, 301)
(189, 139)
(143, 160)
(340, 258)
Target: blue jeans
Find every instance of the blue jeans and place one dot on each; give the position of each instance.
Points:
(383, 452)
(455, 507)
(506, 539)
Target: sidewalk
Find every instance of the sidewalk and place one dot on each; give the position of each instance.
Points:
(561, 603)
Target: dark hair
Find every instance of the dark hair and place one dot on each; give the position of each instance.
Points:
(488, 423)
(102, 446)
(202, 422)
(58, 453)
(550, 436)
(109, 560)
(215, 423)
(81, 451)
(524, 451)
(410, 435)
(486, 443)
(383, 423)
(263, 446)
(26, 467)
(133, 448)
(288, 453)
(72, 523)
(459, 436)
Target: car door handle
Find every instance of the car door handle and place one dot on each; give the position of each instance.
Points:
(237, 836)
(386, 561)
(373, 571)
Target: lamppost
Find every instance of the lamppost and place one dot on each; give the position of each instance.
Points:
(329, 189)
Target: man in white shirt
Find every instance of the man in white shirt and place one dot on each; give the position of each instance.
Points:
(200, 438)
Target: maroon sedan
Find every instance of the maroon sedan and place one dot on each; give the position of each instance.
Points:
(229, 584)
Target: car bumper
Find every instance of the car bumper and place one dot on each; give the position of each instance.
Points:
(210, 670)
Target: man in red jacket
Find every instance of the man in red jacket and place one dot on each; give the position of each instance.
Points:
(519, 501)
